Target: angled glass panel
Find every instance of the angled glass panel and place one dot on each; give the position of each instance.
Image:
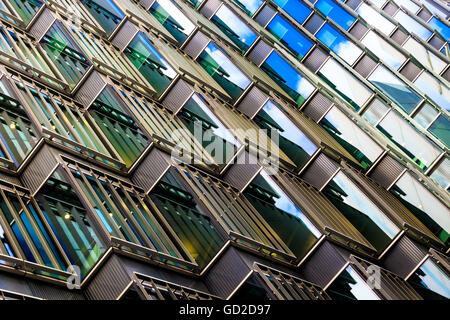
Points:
(296, 9)
(426, 57)
(434, 89)
(442, 174)
(105, 12)
(430, 281)
(350, 286)
(408, 4)
(26, 9)
(248, 6)
(412, 25)
(375, 19)
(440, 128)
(335, 13)
(426, 115)
(441, 27)
(383, 50)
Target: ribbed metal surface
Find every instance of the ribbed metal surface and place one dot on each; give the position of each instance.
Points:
(424, 15)
(314, 23)
(358, 30)
(410, 71)
(265, 15)
(242, 173)
(259, 53)
(210, 8)
(42, 24)
(386, 171)
(147, 3)
(320, 171)
(196, 45)
(252, 102)
(365, 66)
(404, 256)
(91, 89)
(436, 42)
(446, 74)
(39, 169)
(109, 282)
(124, 36)
(178, 96)
(8, 178)
(353, 3)
(151, 169)
(390, 9)
(317, 107)
(399, 37)
(49, 292)
(315, 60)
(323, 265)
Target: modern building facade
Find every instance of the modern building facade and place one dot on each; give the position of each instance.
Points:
(224, 149)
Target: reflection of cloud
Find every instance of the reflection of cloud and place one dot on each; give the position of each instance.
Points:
(375, 19)
(235, 24)
(177, 15)
(304, 87)
(252, 5)
(348, 51)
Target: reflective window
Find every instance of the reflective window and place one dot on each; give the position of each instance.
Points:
(426, 115)
(430, 281)
(292, 82)
(335, 13)
(415, 145)
(338, 43)
(428, 59)
(442, 174)
(383, 50)
(361, 211)
(375, 111)
(105, 12)
(172, 19)
(219, 66)
(26, 9)
(249, 6)
(394, 88)
(375, 19)
(442, 28)
(440, 128)
(408, 4)
(437, 91)
(295, 8)
(292, 142)
(345, 83)
(289, 36)
(412, 25)
(238, 31)
(150, 63)
(351, 286)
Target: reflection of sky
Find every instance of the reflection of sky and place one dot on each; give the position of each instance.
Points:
(375, 19)
(360, 289)
(293, 79)
(291, 132)
(295, 8)
(441, 28)
(412, 25)
(285, 204)
(335, 13)
(338, 43)
(378, 3)
(177, 15)
(359, 201)
(251, 5)
(435, 90)
(408, 4)
(110, 6)
(383, 50)
(246, 34)
(434, 279)
(235, 75)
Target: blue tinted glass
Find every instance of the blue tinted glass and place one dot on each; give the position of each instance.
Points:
(249, 6)
(335, 13)
(288, 35)
(441, 28)
(338, 43)
(295, 8)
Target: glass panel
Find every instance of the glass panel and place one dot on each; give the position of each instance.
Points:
(294, 84)
(424, 205)
(428, 59)
(335, 13)
(442, 174)
(338, 43)
(196, 3)
(437, 91)
(431, 282)
(26, 9)
(168, 14)
(442, 28)
(351, 137)
(345, 84)
(426, 115)
(412, 25)
(440, 128)
(107, 14)
(289, 36)
(375, 111)
(362, 213)
(251, 290)
(288, 221)
(350, 286)
(292, 141)
(383, 50)
(248, 6)
(219, 66)
(239, 32)
(375, 19)
(295, 9)
(408, 4)
(394, 88)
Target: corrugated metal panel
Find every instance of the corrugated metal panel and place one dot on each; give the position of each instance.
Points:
(353, 3)
(410, 71)
(314, 23)
(399, 37)
(265, 15)
(390, 9)
(358, 30)
(147, 3)
(446, 74)
(90, 89)
(49, 292)
(320, 171)
(436, 42)
(259, 53)
(323, 265)
(196, 45)
(109, 282)
(315, 60)
(240, 174)
(124, 36)
(317, 107)
(226, 274)
(424, 15)
(386, 171)
(210, 8)
(404, 256)
(178, 96)
(39, 169)
(253, 101)
(42, 24)
(10, 179)
(151, 169)
(365, 66)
